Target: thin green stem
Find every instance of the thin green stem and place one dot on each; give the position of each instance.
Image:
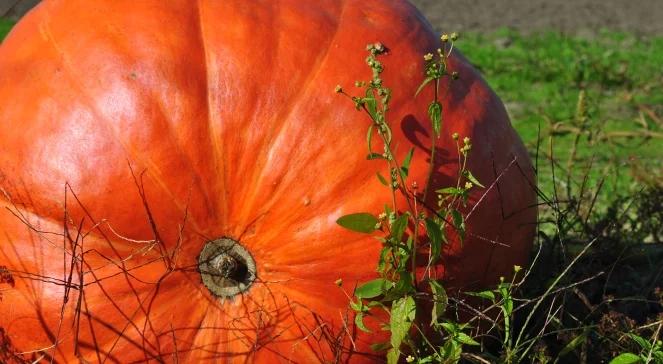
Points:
(431, 165)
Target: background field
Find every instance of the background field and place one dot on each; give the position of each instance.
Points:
(583, 84)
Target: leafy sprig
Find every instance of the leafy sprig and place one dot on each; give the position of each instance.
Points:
(396, 290)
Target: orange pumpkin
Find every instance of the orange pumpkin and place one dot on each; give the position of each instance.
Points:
(172, 171)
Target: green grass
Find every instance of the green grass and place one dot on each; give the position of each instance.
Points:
(5, 26)
(539, 77)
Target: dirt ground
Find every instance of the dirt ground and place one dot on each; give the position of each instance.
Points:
(581, 17)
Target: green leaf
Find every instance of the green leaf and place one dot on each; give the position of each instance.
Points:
(423, 84)
(435, 114)
(626, 358)
(459, 222)
(383, 346)
(450, 328)
(452, 351)
(373, 304)
(382, 179)
(402, 314)
(450, 191)
(403, 287)
(658, 356)
(382, 262)
(488, 295)
(440, 301)
(398, 227)
(387, 209)
(403, 255)
(371, 289)
(642, 342)
(369, 138)
(371, 104)
(359, 321)
(464, 338)
(405, 167)
(457, 218)
(393, 355)
(573, 344)
(428, 359)
(473, 179)
(410, 246)
(434, 232)
(361, 222)
(507, 306)
(357, 306)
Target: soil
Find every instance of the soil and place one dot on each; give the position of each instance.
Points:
(578, 17)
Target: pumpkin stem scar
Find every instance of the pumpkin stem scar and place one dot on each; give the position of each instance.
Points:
(226, 267)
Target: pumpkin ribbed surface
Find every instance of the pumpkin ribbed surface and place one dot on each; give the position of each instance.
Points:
(134, 133)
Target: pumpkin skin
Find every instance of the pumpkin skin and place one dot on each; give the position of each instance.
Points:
(159, 126)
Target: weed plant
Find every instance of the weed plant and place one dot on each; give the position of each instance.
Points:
(593, 290)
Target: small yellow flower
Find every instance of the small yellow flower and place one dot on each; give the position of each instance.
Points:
(468, 185)
(339, 282)
(338, 89)
(455, 136)
(428, 56)
(454, 36)
(517, 268)
(444, 38)
(466, 140)
(409, 359)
